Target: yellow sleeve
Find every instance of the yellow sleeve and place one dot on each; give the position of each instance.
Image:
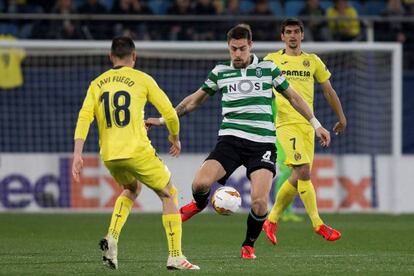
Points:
(86, 115)
(161, 102)
(322, 73)
(268, 57)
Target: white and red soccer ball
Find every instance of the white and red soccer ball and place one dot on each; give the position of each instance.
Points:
(226, 200)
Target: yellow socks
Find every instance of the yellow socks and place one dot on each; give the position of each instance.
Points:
(120, 214)
(284, 197)
(287, 194)
(172, 226)
(308, 197)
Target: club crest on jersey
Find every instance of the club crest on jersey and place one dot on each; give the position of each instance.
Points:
(297, 156)
(306, 63)
(259, 72)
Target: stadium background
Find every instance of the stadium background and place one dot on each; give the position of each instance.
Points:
(39, 116)
(362, 175)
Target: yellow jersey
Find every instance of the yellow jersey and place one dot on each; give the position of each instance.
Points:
(116, 99)
(336, 24)
(11, 75)
(301, 72)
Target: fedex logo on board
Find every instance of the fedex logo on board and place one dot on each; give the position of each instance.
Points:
(42, 181)
(59, 190)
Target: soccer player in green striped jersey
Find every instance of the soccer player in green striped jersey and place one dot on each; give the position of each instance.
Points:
(247, 134)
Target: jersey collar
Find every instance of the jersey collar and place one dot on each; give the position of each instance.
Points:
(255, 60)
(284, 52)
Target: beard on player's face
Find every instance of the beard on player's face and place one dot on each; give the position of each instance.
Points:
(240, 63)
(240, 52)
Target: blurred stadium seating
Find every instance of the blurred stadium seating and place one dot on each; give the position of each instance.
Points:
(108, 4)
(9, 28)
(38, 28)
(158, 6)
(325, 4)
(246, 6)
(293, 7)
(276, 7)
(373, 7)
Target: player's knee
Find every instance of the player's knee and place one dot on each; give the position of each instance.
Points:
(259, 206)
(132, 190)
(201, 185)
(303, 172)
(164, 194)
(169, 192)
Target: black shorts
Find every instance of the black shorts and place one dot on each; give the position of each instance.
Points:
(232, 152)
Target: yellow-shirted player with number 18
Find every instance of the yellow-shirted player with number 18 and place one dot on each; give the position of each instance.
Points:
(116, 99)
(294, 133)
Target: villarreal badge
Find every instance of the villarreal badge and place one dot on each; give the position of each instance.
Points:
(306, 63)
(298, 156)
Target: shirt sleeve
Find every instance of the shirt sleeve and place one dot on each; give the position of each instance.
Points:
(322, 73)
(268, 57)
(159, 99)
(86, 114)
(278, 80)
(210, 85)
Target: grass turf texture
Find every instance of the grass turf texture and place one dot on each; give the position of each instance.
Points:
(67, 244)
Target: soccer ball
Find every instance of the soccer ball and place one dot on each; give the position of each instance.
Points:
(226, 200)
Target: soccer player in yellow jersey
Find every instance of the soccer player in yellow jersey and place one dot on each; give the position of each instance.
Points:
(295, 134)
(116, 99)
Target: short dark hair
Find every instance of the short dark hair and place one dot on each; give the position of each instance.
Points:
(122, 47)
(240, 31)
(292, 22)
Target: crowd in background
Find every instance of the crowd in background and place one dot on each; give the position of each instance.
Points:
(334, 28)
(331, 29)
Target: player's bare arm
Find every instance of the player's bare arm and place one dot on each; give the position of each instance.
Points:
(77, 163)
(300, 105)
(333, 100)
(191, 102)
(187, 105)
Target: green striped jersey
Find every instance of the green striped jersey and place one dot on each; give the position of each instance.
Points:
(247, 98)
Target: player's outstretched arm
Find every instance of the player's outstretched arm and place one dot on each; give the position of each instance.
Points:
(77, 164)
(333, 100)
(191, 102)
(187, 105)
(300, 105)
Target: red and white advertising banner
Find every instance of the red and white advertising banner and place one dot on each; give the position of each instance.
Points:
(349, 183)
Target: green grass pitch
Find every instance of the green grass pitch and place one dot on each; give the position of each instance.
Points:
(67, 244)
